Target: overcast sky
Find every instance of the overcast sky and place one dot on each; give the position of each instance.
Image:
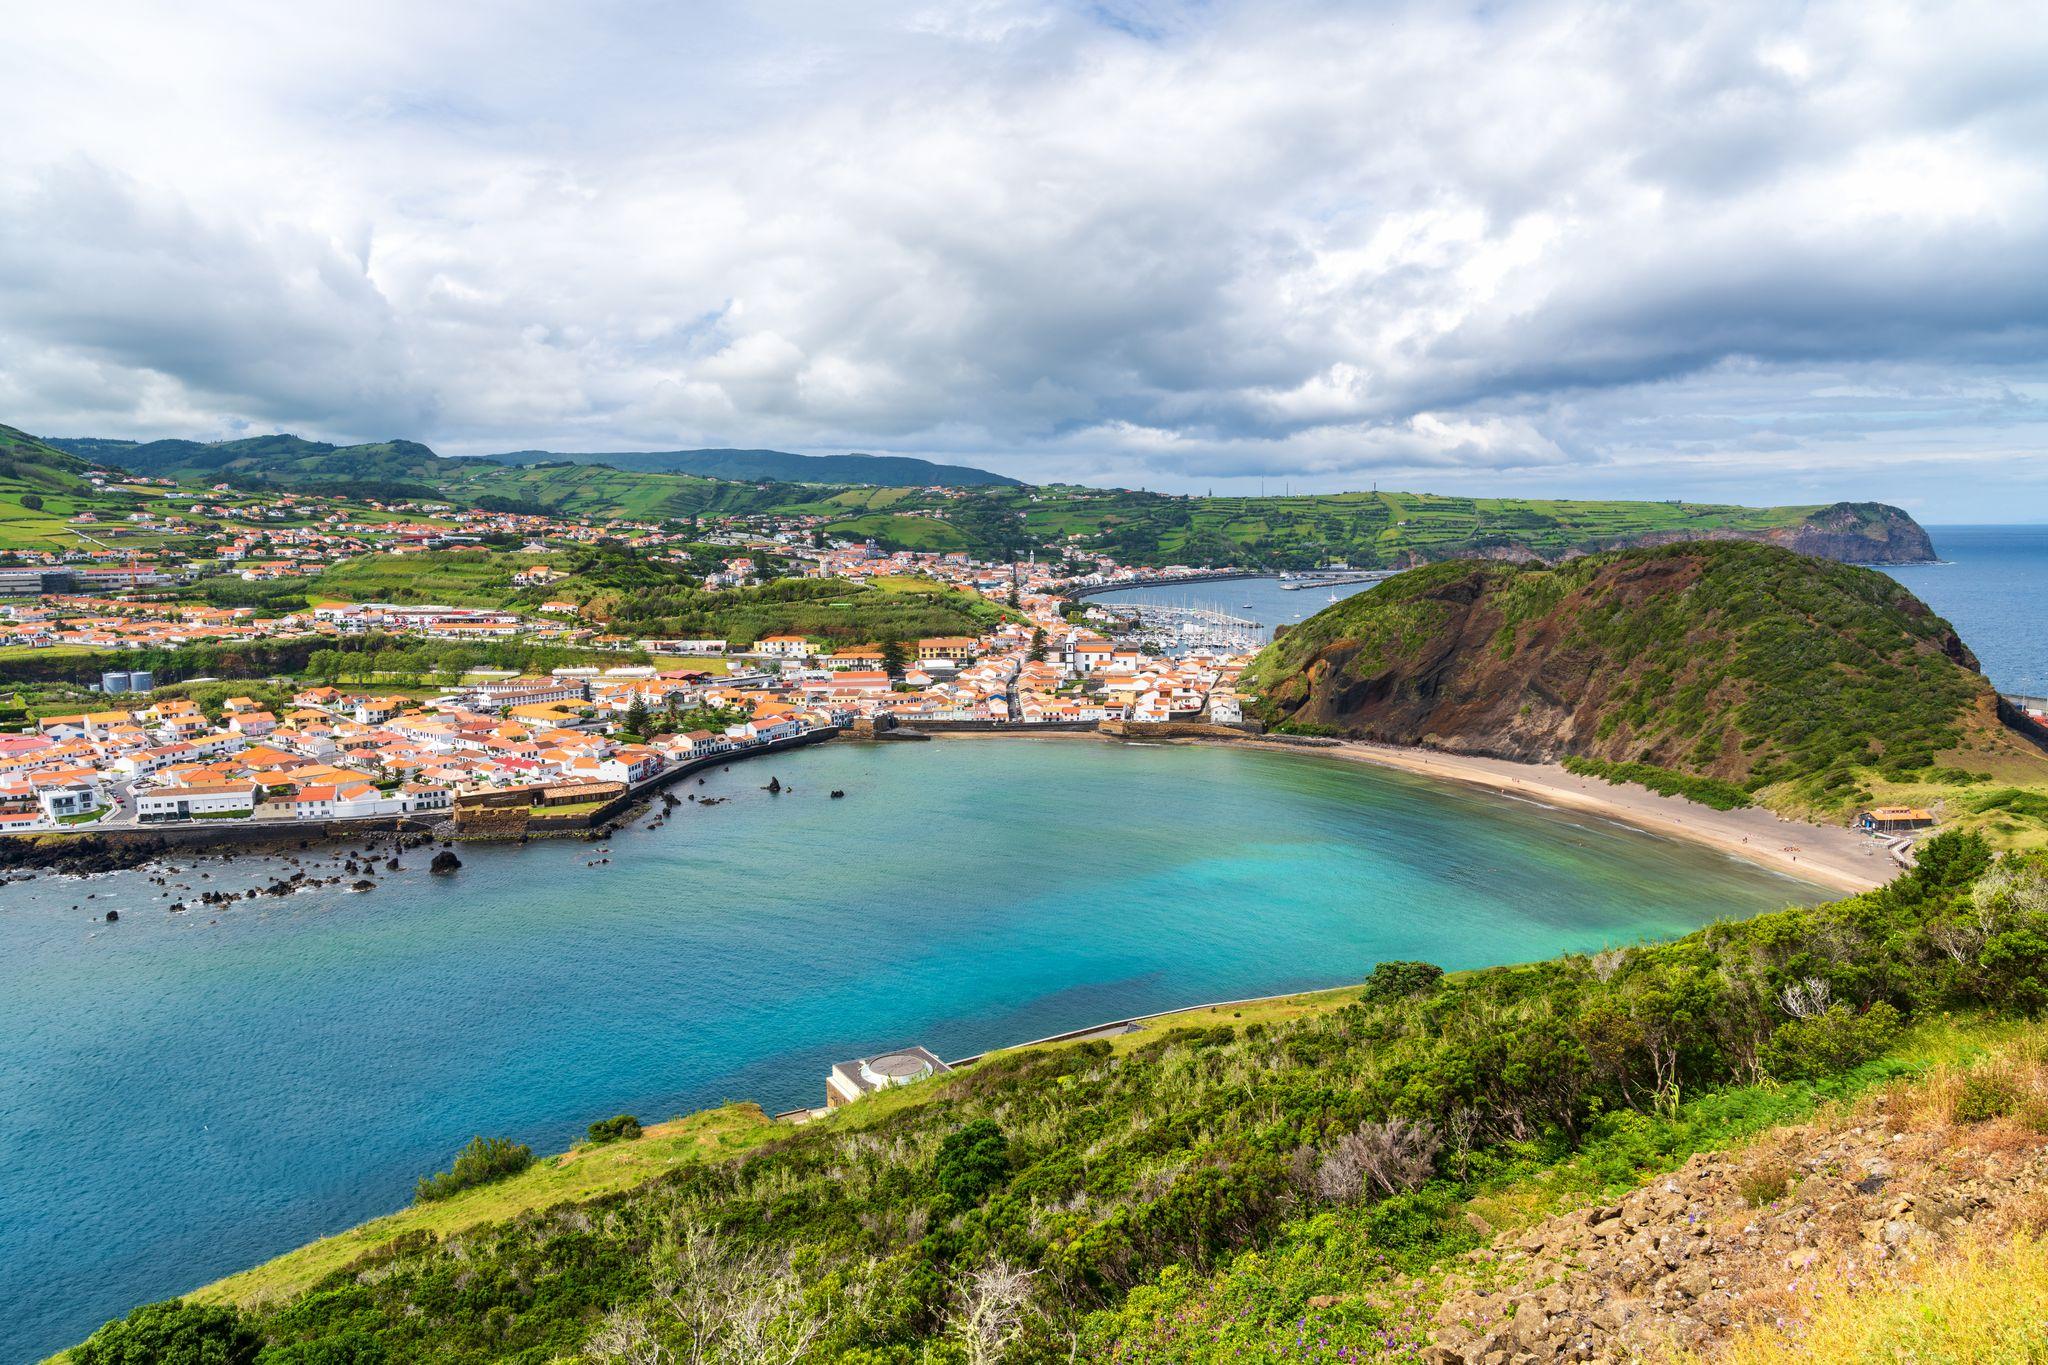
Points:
(1755, 252)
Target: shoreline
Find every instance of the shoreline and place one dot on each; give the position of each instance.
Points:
(1826, 855)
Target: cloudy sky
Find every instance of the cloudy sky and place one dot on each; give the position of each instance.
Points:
(1760, 252)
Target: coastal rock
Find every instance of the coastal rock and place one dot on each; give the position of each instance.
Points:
(445, 864)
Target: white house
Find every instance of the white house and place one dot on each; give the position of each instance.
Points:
(186, 803)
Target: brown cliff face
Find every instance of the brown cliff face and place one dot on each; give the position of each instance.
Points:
(1728, 659)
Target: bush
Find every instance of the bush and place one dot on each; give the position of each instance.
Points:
(972, 1161)
(173, 1333)
(32, 501)
(1982, 1096)
(1378, 1160)
(616, 1128)
(481, 1162)
(1394, 980)
(1809, 1049)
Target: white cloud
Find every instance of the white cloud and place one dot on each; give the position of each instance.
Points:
(1652, 249)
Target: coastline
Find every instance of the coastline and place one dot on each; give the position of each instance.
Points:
(1824, 854)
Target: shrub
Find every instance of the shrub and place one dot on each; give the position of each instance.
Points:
(481, 1162)
(1390, 1157)
(173, 1333)
(619, 1127)
(972, 1161)
(1983, 1096)
(1808, 1049)
(1394, 980)
(1764, 1183)
(32, 501)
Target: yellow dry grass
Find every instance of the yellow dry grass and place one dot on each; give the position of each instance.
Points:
(1986, 1304)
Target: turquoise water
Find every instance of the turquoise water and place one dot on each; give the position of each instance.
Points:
(184, 1095)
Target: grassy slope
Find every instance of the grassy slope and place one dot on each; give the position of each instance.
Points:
(30, 467)
(1819, 686)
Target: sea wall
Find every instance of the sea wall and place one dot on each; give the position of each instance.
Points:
(1180, 729)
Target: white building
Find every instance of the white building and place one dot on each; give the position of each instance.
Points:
(186, 803)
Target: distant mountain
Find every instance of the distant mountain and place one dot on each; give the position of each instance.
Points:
(294, 460)
(780, 466)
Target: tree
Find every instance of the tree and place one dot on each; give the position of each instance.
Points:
(894, 658)
(1392, 980)
(32, 501)
(173, 1333)
(1038, 646)
(636, 717)
(481, 1162)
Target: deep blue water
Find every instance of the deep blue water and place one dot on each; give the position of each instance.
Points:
(182, 1096)
(1993, 587)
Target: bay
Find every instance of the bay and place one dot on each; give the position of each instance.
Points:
(184, 1095)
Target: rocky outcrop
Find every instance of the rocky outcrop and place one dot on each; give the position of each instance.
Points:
(1730, 1238)
(1848, 532)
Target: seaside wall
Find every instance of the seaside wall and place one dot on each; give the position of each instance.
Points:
(1180, 729)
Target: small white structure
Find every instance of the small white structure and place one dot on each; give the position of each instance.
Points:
(848, 1081)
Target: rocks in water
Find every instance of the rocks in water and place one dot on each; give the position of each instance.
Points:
(113, 916)
(393, 866)
(444, 864)
(364, 885)
(837, 794)
(774, 787)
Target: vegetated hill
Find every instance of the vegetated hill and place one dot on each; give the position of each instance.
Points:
(35, 465)
(1398, 530)
(390, 470)
(41, 488)
(777, 466)
(1096, 1200)
(1731, 661)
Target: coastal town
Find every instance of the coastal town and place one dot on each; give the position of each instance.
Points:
(423, 744)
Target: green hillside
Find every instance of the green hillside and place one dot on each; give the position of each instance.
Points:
(1290, 1180)
(1395, 530)
(1810, 684)
(42, 487)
